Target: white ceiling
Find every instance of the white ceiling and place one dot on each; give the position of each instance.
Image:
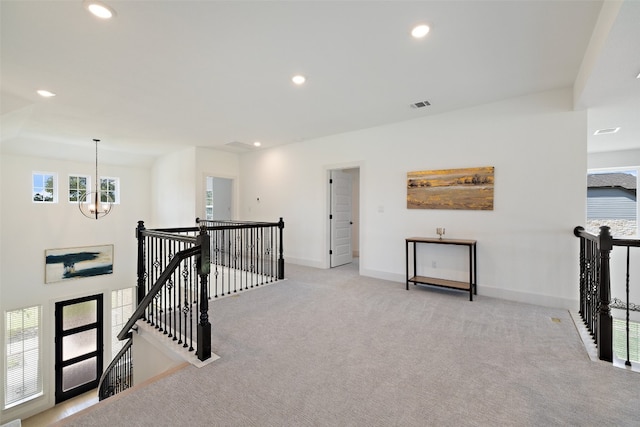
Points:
(168, 74)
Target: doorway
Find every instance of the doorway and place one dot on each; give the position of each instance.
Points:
(78, 346)
(344, 205)
(218, 198)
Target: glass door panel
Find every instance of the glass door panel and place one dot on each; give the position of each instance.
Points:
(78, 344)
(79, 314)
(79, 374)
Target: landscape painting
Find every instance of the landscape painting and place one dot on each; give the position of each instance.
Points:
(75, 263)
(469, 189)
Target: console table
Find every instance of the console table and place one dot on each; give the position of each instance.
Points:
(471, 286)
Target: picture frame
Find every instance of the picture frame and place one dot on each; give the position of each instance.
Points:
(78, 262)
(462, 189)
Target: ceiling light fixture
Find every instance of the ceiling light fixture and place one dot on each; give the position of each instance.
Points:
(638, 76)
(606, 131)
(95, 204)
(257, 144)
(298, 79)
(419, 31)
(45, 93)
(99, 9)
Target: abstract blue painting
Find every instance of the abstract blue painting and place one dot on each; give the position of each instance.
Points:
(75, 263)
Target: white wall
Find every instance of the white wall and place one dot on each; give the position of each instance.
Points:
(174, 194)
(152, 354)
(526, 250)
(28, 229)
(614, 159)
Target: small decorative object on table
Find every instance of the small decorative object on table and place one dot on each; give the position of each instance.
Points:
(440, 232)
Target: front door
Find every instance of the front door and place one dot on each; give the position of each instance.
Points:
(79, 332)
(340, 218)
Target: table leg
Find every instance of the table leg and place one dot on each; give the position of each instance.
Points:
(406, 261)
(475, 271)
(470, 273)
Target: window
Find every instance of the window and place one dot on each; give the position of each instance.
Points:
(79, 185)
(109, 190)
(208, 207)
(44, 187)
(612, 201)
(122, 306)
(23, 376)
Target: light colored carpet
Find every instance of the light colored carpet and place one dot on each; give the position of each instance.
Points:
(331, 348)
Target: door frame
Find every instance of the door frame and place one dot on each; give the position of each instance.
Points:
(201, 196)
(341, 180)
(59, 333)
(327, 207)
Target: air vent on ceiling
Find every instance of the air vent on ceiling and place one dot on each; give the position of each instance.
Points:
(606, 131)
(241, 145)
(420, 104)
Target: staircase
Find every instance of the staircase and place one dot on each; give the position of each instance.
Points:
(179, 271)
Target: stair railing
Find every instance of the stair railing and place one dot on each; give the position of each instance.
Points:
(244, 255)
(179, 287)
(186, 294)
(119, 374)
(595, 289)
(174, 288)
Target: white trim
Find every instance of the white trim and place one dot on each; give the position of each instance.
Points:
(117, 185)
(326, 263)
(39, 372)
(77, 175)
(235, 196)
(55, 186)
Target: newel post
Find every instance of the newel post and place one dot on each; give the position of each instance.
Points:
(281, 256)
(204, 267)
(605, 323)
(141, 288)
(583, 270)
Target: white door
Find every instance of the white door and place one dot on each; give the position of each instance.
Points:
(340, 218)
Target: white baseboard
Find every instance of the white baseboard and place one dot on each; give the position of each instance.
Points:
(529, 298)
(303, 262)
(384, 275)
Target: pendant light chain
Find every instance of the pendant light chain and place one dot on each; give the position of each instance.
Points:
(97, 181)
(90, 204)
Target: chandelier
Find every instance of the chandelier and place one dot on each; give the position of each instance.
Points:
(96, 204)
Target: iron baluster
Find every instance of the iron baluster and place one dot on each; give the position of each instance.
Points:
(281, 256)
(628, 361)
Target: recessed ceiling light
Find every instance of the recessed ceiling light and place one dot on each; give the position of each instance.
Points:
(257, 144)
(606, 131)
(99, 9)
(298, 79)
(45, 93)
(419, 31)
(638, 76)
